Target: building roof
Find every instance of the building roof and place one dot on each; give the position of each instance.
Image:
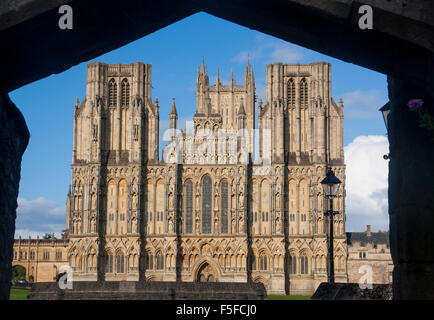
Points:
(371, 237)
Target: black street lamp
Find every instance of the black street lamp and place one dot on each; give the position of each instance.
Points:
(331, 186)
(385, 110)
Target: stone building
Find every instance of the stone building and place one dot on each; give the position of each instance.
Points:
(207, 211)
(43, 259)
(369, 254)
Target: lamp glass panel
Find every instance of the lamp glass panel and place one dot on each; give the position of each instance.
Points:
(334, 189)
(385, 114)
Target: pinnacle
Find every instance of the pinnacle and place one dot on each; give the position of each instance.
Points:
(173, 109)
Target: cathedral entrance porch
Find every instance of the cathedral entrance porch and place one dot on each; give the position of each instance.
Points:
(206, 273)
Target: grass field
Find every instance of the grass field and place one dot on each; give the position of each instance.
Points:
(18, 293)
(282, 297)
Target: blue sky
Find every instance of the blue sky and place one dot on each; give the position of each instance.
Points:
(175, 52)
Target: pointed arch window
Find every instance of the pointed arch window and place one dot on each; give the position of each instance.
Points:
(113, 93)
(224, 206)
(206, 205)
(291, 92)
(149, 261)
(304, 264)
(125, 93)
(303, 92)
(189, 207)
(292, 264)
(160, 261)
(120, 260)
(263, 262)
(109, 263)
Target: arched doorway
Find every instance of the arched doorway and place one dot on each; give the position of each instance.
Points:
(206, 273)
(261, 280)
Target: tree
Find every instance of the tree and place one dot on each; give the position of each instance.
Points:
(18, 272)
(48, 236)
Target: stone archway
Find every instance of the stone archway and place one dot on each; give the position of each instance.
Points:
(261, 279)
(313, 25)
(206, 273)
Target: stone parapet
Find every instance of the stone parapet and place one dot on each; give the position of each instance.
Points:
(140, 290)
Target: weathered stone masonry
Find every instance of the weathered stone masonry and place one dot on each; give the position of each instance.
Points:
(14, 137)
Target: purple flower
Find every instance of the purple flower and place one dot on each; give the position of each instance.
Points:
(415, 104)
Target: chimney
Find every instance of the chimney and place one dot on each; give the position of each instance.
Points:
(368, 230)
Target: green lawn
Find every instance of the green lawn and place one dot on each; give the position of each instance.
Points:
(282, 297)
(18, 293)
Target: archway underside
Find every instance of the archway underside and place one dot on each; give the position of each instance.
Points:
(314, 26)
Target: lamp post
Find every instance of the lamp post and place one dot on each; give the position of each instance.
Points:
(331, 186)
(385, 110)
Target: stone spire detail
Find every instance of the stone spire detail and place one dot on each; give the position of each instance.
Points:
(173, 116)
(241, 111)
(247, 75)
(173, 109)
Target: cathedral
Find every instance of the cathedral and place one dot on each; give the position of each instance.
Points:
(228, 201)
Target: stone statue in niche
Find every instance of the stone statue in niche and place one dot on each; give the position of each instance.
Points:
(134, 225)
(241, 224)
(170, 225)
(278, 201)
(134, 201)
(171, 201)
(216, 223)
(93, 199)
(92, 225)
(197, 223)
(216, 201)
(241, 200)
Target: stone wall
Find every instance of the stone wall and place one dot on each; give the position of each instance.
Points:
(14, 137)
(138, 290)
(381, 271)
(352, 291)
(411, 192)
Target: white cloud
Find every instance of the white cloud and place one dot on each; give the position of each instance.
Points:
(363, 104)
(273, 50)
(39, 216)
(286, 53)
(242, 57)
(367, 183)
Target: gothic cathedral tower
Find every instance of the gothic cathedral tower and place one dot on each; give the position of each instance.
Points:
(115, 136)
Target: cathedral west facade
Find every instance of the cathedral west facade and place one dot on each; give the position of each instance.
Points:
(209, 210)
